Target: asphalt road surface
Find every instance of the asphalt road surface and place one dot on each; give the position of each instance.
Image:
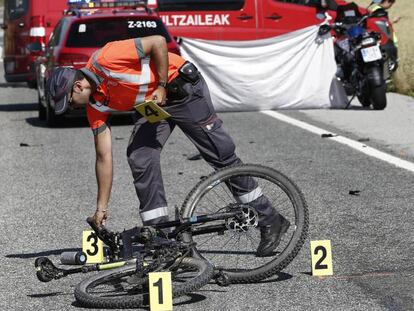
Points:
(48, 188)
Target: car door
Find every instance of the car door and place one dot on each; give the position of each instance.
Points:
(277, 17)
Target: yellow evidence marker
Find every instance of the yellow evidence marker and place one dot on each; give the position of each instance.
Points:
(321, 252)
(160, 290)
(92, 246)
(151, 111)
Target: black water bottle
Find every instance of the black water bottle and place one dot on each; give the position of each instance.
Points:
(73, 258)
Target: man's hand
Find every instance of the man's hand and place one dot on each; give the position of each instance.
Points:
(100, 218)
(159, 96)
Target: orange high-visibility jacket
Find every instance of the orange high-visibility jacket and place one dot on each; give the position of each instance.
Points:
(126, 77)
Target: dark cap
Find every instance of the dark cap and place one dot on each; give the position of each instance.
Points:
(60, 85)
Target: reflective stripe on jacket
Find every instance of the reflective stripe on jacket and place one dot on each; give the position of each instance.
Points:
(126, 77)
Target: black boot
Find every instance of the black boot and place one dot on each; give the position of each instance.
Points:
(271, 235)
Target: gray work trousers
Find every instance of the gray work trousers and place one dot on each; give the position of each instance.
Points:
(196, 117)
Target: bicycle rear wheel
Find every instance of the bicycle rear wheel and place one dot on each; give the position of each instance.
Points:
(233, 250)
(112, 289)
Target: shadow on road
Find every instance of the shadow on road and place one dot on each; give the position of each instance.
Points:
(44, 253)
(187, 299)
(76, 122)
(359, 108)
(13, 85)
(66, 123)
(18, 107)
(280, 276)
(46, 295)
(36, 122)
(192, 298)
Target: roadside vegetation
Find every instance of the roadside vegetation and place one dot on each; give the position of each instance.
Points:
(404, 77)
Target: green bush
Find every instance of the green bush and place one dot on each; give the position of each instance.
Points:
(404, 77)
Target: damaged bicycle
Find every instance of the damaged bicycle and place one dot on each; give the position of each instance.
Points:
(214, 237)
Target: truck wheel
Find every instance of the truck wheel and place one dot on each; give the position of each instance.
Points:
(32, 84)
(41, 110)
(52, 120)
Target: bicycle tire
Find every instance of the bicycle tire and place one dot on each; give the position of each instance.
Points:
(138, 299)
(298, 237)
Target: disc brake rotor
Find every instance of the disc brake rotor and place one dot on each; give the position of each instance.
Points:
(248, 218)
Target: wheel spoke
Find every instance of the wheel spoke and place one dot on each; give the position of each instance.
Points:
(112, 288)
(235, 250)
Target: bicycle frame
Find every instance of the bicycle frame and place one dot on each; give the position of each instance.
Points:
(145, 236)
(188, 222)
(47, 271)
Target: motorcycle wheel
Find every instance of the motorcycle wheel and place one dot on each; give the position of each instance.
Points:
(364, 100)
(378, 97)
(374, 90)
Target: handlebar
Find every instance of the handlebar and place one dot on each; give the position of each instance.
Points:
(340, 27)
(104, 234)
(324, 29)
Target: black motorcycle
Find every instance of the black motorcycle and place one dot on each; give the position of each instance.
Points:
(360, 61)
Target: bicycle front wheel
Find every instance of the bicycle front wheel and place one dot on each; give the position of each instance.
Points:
(233, 250)
(113, 289)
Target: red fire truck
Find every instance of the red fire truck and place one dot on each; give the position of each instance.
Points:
(29, 21)
(25, 22)
(237, 19)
